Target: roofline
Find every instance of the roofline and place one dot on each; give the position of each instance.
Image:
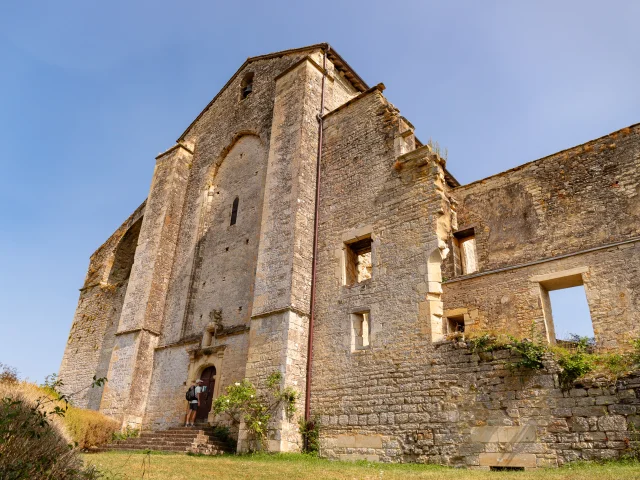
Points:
(338, 61)
(448, 176)
(547, 157)
(376, 88)
(351, 74)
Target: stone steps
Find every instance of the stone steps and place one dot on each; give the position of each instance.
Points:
(200, 439)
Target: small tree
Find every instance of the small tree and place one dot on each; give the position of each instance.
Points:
(8, 374)
(242, 401)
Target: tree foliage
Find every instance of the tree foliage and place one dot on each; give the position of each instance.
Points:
(244, 402)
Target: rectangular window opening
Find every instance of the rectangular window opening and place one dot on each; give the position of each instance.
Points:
(569, 312)
(357, 261)
(360, 331)
(464, 251)
(455, 324)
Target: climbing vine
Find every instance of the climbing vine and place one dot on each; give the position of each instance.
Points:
(243, 402)
(576, 358)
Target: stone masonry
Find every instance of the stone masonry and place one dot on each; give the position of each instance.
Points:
(214, 270)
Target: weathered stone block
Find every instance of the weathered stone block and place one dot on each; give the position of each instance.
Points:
(526, 460)
(368, 441)
(503, 434)
(612, 423)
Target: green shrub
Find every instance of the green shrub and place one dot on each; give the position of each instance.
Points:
(126, 433)
(223, 433)
(530, 354)
(310, 431)
(242, 401)
(576, 357)
(483, 343)
(574, 363)
(32, 448)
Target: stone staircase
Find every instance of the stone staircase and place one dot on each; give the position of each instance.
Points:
(198, 439)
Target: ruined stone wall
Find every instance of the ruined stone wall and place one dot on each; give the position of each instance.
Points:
(452, 407)
(573, 200)
(368, 393)
(511, 301)
(92, 335)
(408, 397)
(564, 205)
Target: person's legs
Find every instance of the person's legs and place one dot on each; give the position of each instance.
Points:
(187, 415)
(192, 413)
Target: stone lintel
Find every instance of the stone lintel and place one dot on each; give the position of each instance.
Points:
(561, 279)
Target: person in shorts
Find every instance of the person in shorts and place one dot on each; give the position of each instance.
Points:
(193, 397)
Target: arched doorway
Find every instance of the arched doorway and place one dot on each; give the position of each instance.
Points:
(208, 376)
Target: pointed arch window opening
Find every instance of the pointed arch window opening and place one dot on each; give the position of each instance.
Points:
(234, 211)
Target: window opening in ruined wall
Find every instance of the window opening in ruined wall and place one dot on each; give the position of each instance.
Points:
(234, 211)
(125, 254)
(357, 261)
(246, 86)
(455, 324)
(565, 305)
(464, 246)
(360, 331)
(571, 314)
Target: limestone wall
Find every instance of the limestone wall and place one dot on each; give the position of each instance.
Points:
(224, 269)
(367, 193)
(131, 362)
(213, 277)
(92, 335)
(452, 407)
(283, 278)
(545, 218)
(573, 200)
(212, 136)
(407, 396)
(510, 301)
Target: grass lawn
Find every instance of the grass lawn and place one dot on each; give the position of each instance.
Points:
(124, 466)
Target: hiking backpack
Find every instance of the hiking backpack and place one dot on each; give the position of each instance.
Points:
(191, 393)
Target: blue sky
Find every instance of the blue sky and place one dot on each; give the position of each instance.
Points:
(90, 92)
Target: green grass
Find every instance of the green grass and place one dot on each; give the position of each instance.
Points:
(126, 466)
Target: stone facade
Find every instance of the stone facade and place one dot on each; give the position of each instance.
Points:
(215, 270)
(458, 408)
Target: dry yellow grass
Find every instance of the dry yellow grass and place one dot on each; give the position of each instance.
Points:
(30, 393)
(86, 427)
(129, 466)
(89, 428)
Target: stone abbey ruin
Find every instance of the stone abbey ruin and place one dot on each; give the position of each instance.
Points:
(222, 274)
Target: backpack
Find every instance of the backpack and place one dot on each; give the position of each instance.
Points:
(191, 393)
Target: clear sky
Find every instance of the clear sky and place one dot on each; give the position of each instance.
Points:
(91, 92)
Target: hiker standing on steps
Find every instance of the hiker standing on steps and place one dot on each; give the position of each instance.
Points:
(193, 397)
